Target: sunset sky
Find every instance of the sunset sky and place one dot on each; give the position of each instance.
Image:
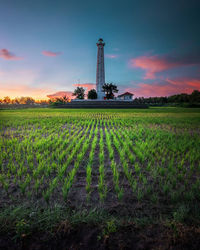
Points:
(47, 46)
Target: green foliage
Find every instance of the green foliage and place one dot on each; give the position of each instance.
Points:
(92, 94)
(79, 92)
(181, 214)
(110, 227)
(109, 89)
(59, 100)
(186, 100)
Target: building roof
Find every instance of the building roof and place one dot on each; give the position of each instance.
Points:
(126, 93)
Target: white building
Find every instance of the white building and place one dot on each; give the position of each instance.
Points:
(127, 96)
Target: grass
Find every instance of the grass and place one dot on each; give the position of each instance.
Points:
(21, 221)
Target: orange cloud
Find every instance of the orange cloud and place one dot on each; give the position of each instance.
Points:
(169, 87)
(50, 53)
(7, 55)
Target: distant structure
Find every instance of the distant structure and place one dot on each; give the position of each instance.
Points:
(100, 74)
(127, 96)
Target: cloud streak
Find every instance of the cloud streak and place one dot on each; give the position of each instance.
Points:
(7, 55)
(159, 63)
(111, 56)
(50, 53)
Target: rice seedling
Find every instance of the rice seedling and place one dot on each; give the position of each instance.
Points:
(153, 153)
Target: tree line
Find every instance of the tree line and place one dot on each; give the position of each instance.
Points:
(22, 100)
(193, 98)
(109, 89)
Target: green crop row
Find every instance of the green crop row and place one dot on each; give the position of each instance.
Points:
(154, 155)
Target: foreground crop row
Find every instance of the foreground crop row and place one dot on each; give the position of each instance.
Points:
(60, 156)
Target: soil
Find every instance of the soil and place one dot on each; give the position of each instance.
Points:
(90, 237)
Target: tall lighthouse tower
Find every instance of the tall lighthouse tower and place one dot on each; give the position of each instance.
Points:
(100, 75)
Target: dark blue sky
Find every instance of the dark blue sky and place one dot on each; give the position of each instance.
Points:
(152, 47)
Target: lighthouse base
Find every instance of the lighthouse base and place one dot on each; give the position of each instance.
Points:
(100, 95)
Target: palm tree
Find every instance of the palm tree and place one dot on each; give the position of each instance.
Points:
(109, 89)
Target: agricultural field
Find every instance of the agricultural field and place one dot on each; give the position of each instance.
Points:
(139, 165)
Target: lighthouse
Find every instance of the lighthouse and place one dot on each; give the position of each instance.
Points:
(100, 74)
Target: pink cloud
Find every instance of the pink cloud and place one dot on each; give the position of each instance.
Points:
(185, 83)
(152, 65)
(88, 87)
(50, 53)
(7, 55)
(111, 56)
(61, 94)
(167, 88)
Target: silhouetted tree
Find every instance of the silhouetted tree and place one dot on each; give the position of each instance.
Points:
(25, 100)
(195, 96)
(7, 100)
(92, 94)
(79, 92)
(43, 102)
(66, 99)
(16, 100)
(109, 89)
(60, 100)
(29, 100)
